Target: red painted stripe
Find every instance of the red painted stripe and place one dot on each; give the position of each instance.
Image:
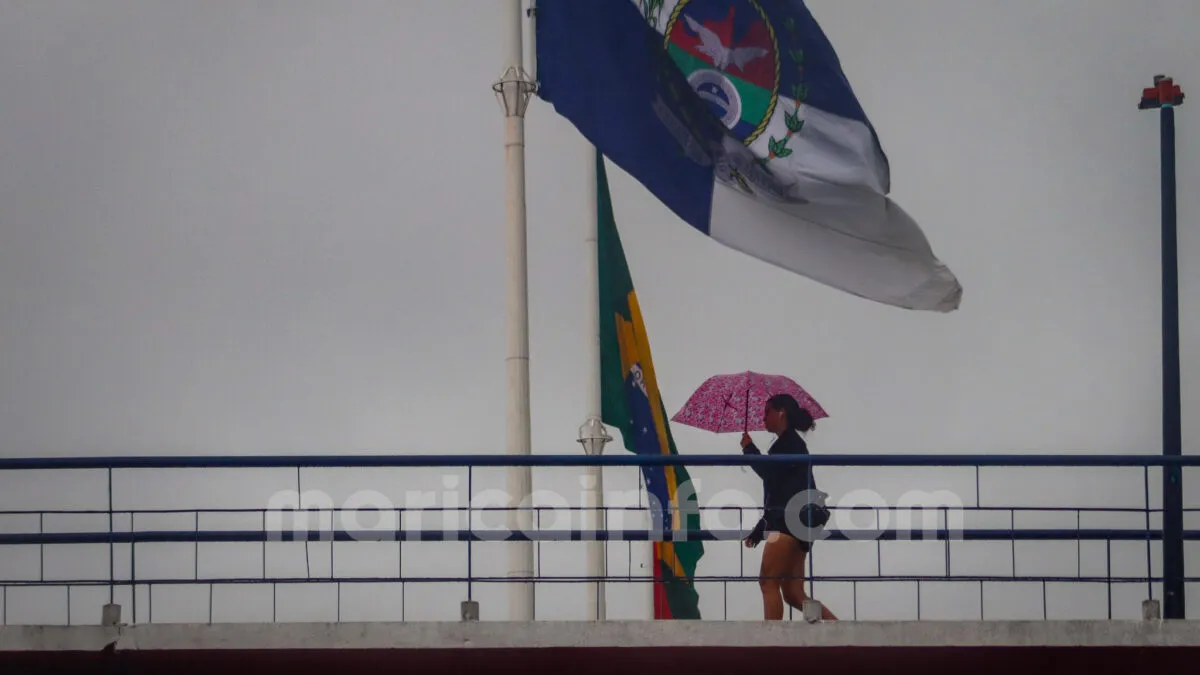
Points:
(759, 72)
(692, 660)
(662, 609)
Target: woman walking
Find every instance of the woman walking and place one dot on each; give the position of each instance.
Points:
(781, 576)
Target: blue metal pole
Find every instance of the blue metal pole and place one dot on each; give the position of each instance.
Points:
(1173, 573)
(1165, 96)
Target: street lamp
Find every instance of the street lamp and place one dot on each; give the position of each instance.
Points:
(593, 437)
(513, 90)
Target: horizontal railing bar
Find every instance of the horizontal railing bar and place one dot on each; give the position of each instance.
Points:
(629, 459)
(552, 507)
(483, 535)
(216, 581)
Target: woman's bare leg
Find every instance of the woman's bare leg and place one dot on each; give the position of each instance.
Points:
(826, 614)
(793, 587)
(776, 565)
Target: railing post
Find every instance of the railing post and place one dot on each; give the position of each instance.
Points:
(470, 542)
(132, 568)
(110, 614)
(1149, 561)
(111, 555)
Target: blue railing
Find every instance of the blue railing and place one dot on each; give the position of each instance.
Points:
(480, 461)
(120, 531)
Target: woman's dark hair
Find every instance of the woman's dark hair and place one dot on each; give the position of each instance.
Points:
(797, 418)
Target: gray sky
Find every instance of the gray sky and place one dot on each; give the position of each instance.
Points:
(263, 227)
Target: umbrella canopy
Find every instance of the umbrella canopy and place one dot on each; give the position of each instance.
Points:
(728, 403)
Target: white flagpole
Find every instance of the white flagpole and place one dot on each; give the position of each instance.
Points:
(514, 89)
(592, 434)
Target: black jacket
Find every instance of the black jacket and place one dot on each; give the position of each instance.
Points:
(782, 482)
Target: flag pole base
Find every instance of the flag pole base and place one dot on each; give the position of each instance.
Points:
(470, 610)
(110, 615)
(1151, 610)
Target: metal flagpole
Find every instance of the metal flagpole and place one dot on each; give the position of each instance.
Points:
(514, 89)
(1165, 96)
(592, 435)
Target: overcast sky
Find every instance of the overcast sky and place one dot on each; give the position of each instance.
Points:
(234, 227)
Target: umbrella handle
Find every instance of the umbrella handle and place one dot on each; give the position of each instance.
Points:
(746, 417)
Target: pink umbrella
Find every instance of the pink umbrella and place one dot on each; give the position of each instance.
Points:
(724, 403)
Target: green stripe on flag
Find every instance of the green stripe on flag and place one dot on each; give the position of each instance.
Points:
(755, 99)
(624, 347)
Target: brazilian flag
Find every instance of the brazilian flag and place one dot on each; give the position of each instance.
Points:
(631, 403)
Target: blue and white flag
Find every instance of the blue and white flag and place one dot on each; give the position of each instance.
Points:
(737, 116)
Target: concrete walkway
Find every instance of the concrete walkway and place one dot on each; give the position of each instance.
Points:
(625, 648)
(614, 634)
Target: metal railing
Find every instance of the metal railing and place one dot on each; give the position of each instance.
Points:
(111, 546)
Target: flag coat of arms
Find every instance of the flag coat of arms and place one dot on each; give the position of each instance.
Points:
(736, 114)
(630, 401)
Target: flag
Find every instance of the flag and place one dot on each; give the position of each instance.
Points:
(737, 116)
(630, 401)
